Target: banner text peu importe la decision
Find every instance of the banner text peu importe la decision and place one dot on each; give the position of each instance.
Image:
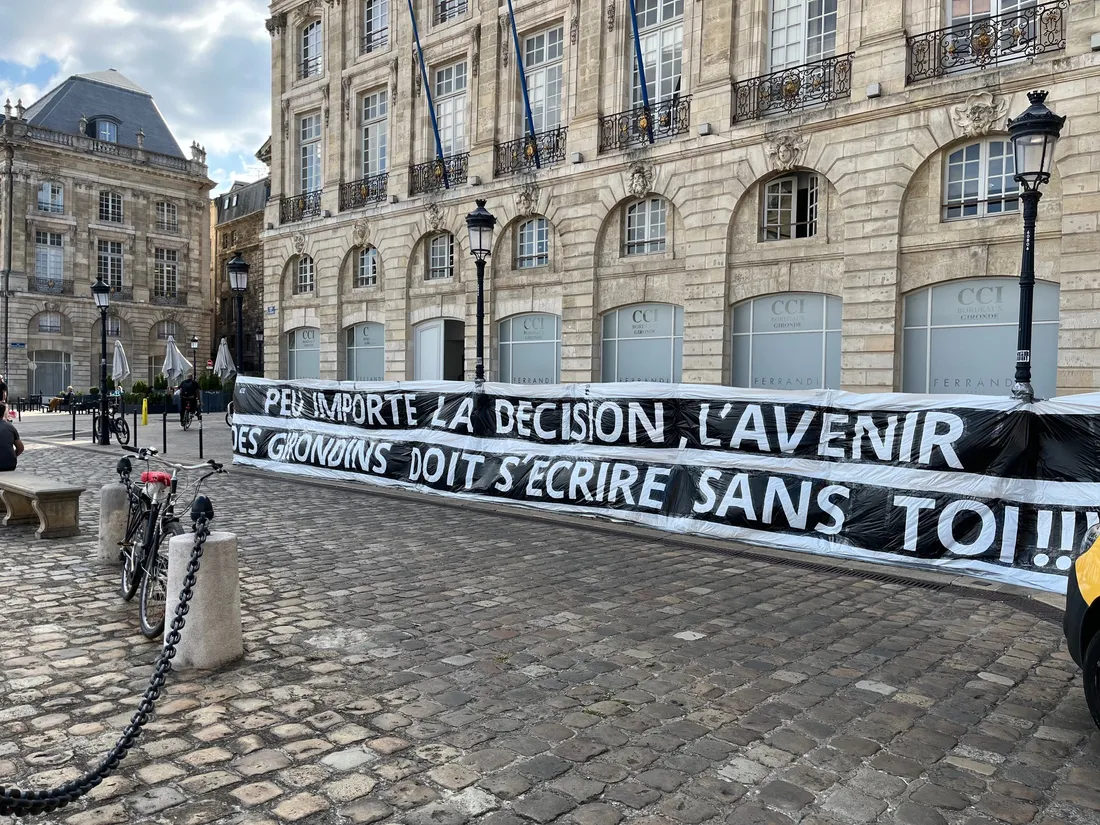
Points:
(976, 484)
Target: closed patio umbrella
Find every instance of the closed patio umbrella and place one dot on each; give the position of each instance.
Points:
(223, 363)
(120, 368)
(175, 365)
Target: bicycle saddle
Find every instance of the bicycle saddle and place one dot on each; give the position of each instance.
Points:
(156, 477)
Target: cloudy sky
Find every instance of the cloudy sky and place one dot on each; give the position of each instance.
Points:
(207, 64)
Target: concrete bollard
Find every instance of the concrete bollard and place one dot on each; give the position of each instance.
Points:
(212, 635)
(113, 508)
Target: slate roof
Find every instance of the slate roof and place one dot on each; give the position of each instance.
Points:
(106, 93)
(251, 198)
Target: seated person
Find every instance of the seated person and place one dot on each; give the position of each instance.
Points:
(10, 445)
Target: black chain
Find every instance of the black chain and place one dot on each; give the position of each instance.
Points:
(14, 802)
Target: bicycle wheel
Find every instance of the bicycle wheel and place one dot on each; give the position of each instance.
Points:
(154, 584)
(186, 420)
(229, 415)
(132, 549)
(122, 431)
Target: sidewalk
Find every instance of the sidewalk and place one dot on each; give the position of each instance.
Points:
(430, 665)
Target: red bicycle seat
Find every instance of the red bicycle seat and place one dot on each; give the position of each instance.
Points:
(156, 477)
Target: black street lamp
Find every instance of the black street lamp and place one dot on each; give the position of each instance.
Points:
(194, 353)
(480, 224)
(1034, 135)
(102, 294)
(237, 269)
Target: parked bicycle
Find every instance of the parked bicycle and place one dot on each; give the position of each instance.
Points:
(191, 411)
(148, 560)
(229, 413)
(130, 548)
(116, 426)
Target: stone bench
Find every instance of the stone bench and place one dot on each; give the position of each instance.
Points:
(30, 499)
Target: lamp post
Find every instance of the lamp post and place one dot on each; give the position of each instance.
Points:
(480, 224)
(237, 269)
(102, 294)
(1034, 135)
(194, 352)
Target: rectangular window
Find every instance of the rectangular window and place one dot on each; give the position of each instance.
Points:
(110, 207)
(367, 271)
(450, 107)
(376, 25)
(167, 217)
(114, 326)
(49, 322)
(790, 208)
(441, 257)
(49, 256)
(106, 131)
(542, 58)
(51, 198)
(375, 123)
(110, 263)
(533, 244)
(305, 275)
(311, 50)
(166, 273)
(310, 152)
(802, 31)
(661, 32)
(645, 227)
(449, 10)
(981, 181)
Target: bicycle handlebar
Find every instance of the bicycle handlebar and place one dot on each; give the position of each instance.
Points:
(149, 454)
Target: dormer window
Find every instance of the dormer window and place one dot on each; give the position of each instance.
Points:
(106, 131)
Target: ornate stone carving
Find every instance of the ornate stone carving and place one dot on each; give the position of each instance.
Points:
(359, 232)
(575, 22)
(311, 8)
(640, 181)
(393, 81)
(276, 24)
(436, 218)
(610, 15)
(299, 243)
(416, 72)
(286, 119)
(345, 91)
(324, 103)
(51, 306)
(784, 150)
(476, 58)
(504, 44)
(527, 199)
(979, 114)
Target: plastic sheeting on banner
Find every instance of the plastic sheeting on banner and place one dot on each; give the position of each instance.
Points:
(977, 484)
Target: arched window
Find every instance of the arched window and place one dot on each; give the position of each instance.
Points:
(168, 217)
(366, 352)
(304, 353)
(114, 326)
(106, 130)
(305, 280)
(960, 337)
(51, 197)
(646, 226)
(644, 342)
(439, 350)
(311, 50)
(533, 244)
(49, 372)
(789, 208)
(166, 330)
(366, 267)
(789, 341)
(50, 322)
(978, 180)
(530, 349)
(441, 257)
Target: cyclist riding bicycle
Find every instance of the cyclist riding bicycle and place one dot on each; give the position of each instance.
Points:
(189, 398)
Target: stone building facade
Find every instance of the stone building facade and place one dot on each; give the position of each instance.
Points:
(806, 195)
(238, 224)
(99, 185)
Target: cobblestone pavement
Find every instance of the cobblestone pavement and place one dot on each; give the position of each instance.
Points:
(416, 664)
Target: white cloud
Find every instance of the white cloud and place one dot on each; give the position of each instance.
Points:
(207, 64)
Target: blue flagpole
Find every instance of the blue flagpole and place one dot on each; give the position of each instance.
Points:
(428, 92)
(641, 70)
(523, 85)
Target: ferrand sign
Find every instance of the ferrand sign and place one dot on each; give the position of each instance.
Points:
(977, 484)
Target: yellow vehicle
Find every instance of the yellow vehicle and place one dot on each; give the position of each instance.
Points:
(1082, 620)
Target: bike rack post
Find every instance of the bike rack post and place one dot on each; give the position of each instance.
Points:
(164, 430)
(200, 436)
(73, 412)
(135, 429)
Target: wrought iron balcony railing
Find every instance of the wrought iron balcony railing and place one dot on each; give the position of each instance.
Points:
(374, 40)
(365, 191)
(167, 297)
(527, 153)
(449, 9)
(50, 286)
(798, 87)
(298, 207)
(640, 125)
(1020, 34)
(169, 227)
(122, 293)
(309, 67)
(438, 174)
